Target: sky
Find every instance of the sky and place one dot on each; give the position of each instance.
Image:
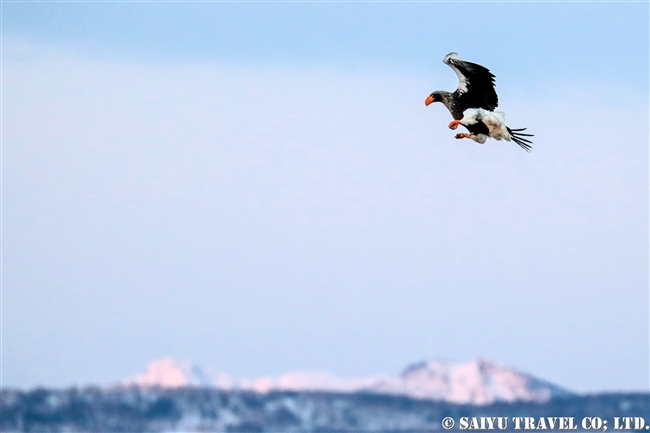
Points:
(260, 188)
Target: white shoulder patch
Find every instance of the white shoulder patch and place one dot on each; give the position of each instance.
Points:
(450, 56)
(462, 80)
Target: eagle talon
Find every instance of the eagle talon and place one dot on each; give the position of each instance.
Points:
(454, 124)
(461, 135)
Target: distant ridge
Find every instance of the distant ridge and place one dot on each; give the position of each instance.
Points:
(478, 382)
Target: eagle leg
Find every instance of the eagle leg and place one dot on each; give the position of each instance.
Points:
(454, 124)
(462, 135)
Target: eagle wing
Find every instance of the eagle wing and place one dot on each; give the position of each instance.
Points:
(475, 84)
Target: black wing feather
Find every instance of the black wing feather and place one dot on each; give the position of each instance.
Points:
(479, 83)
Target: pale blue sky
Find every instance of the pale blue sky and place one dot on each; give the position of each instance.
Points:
(259, 187)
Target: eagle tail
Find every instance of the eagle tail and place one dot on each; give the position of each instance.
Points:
(518, 137)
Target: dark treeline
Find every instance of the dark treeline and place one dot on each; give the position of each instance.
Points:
(206, 409)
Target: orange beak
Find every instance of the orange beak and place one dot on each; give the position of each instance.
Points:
(428, 100)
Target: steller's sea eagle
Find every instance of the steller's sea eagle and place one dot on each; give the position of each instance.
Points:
(472, 104)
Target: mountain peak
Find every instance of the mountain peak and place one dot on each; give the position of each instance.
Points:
(172, 373)
(479, 382)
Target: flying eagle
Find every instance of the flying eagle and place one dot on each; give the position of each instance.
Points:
(472, 104)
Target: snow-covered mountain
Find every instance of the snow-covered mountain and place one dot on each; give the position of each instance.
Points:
(476, 382)
(171, 373)
(473, 382)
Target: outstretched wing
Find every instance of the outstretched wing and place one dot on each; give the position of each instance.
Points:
(475, 84)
